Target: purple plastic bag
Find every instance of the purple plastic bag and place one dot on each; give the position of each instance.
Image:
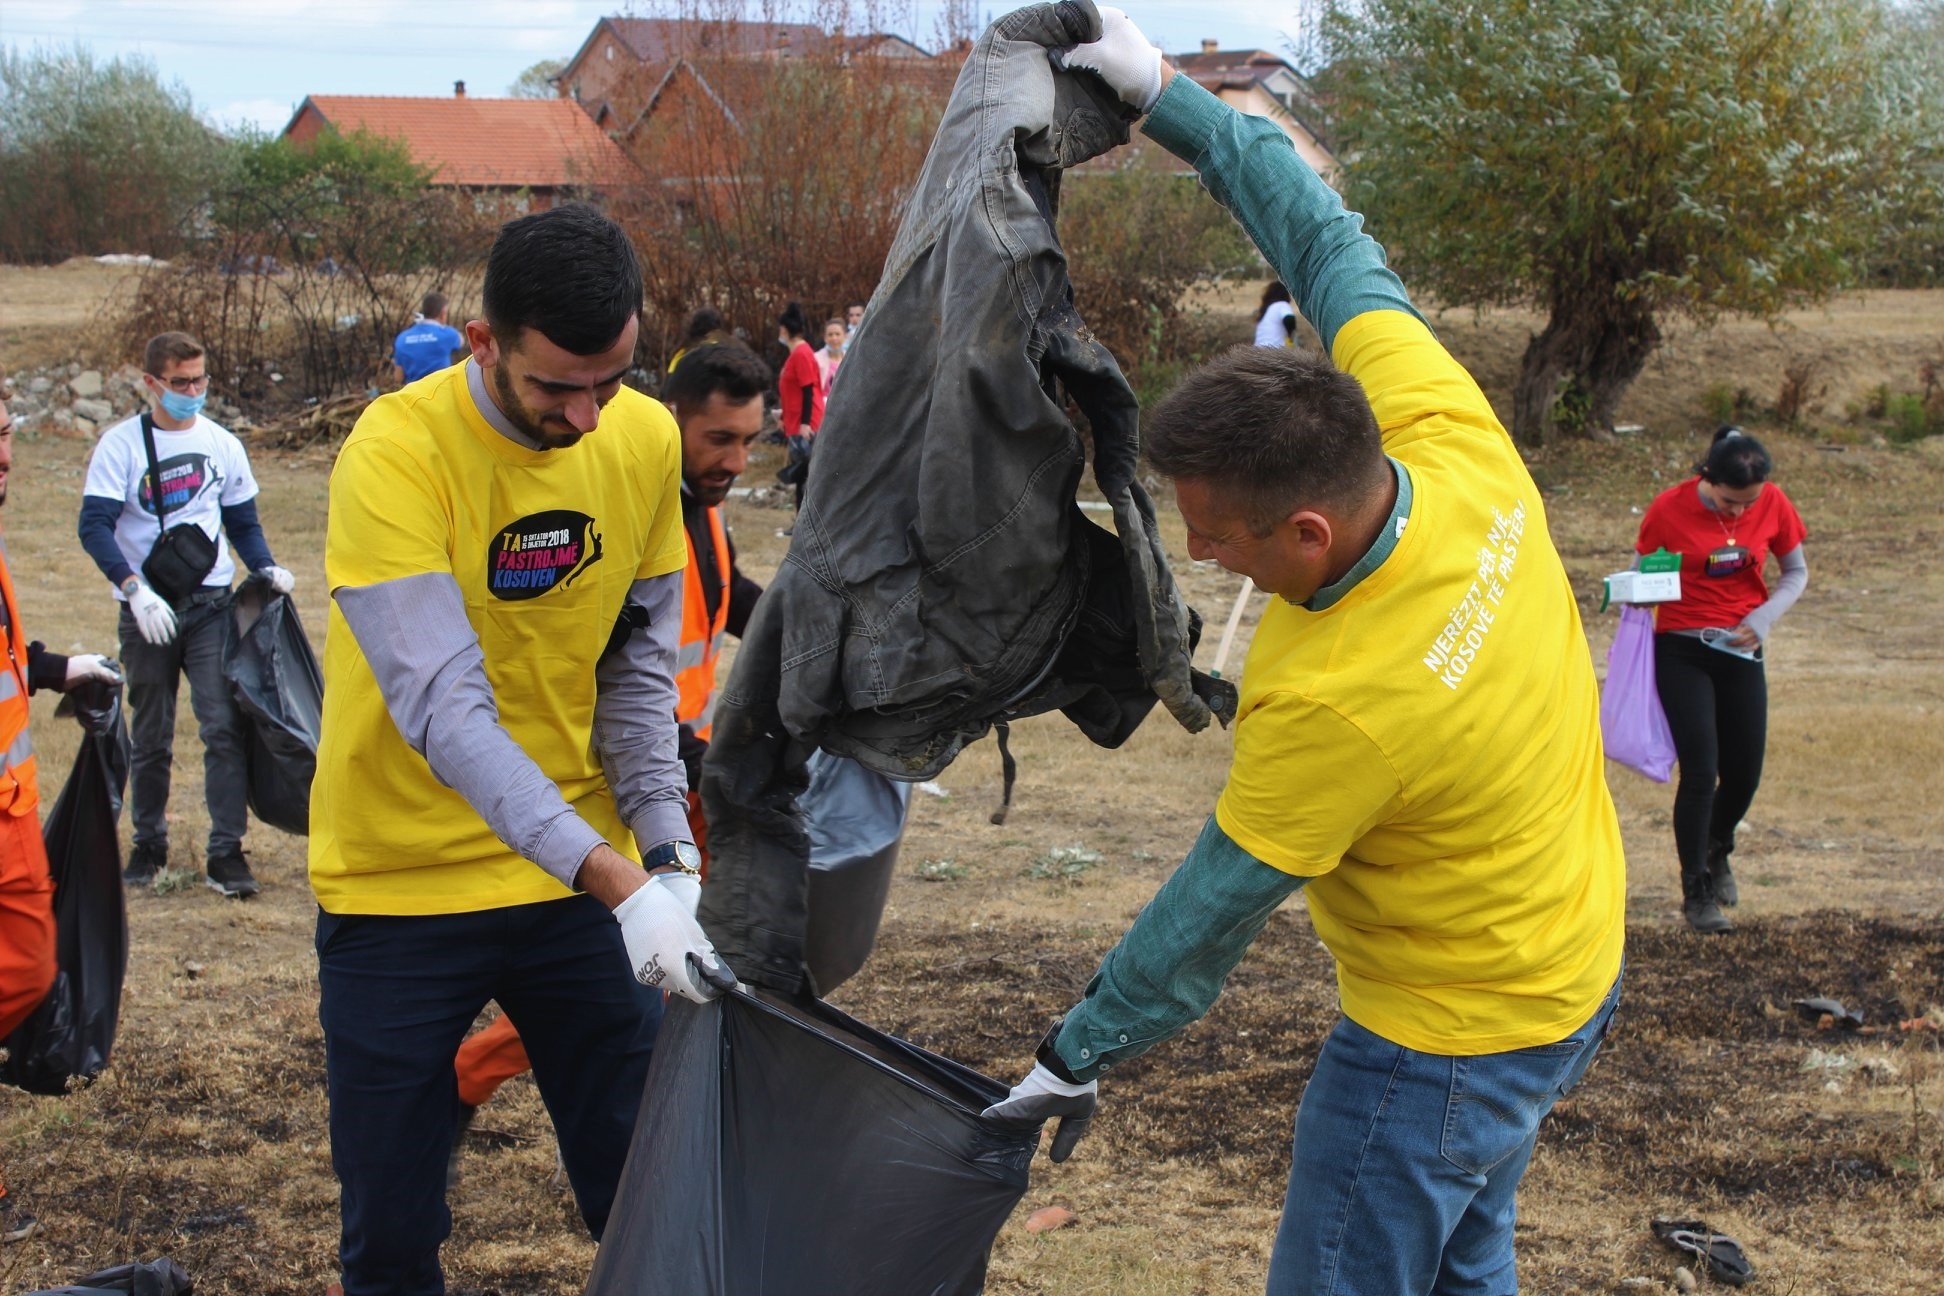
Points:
(1631, 719)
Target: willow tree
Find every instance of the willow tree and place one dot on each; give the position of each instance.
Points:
(1615, 163)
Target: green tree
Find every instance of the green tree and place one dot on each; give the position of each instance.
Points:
(97, 157)
(1617, 162)
(537, 81)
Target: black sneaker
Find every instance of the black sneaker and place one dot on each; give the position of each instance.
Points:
(145, 860)
(16, 1225)
(230, 875)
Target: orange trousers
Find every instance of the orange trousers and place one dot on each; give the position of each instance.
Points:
(489, 1058)
(26, 920)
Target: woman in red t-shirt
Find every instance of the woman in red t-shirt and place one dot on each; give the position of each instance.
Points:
(800, 385)
(1708, 650)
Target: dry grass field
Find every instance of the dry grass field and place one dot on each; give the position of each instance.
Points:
(205, 1139)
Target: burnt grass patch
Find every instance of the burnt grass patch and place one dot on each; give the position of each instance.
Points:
(1699, 1091)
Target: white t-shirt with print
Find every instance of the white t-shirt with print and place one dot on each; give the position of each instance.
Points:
(203, 468)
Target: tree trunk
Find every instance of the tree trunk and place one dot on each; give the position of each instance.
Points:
(1593, 347)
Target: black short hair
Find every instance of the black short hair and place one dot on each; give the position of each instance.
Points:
(1272, 428)
(726, 367)
(703, 321)
(433, 305)
(1734, 459)
(568, 272)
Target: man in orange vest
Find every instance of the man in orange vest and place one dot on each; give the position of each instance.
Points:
(26, 891)
(716, 393)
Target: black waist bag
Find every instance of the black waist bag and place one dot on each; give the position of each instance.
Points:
(786, 1149)
(183, 554)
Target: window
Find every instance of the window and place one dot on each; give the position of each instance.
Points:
(609, 51)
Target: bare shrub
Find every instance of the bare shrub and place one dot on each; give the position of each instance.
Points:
(312, 258)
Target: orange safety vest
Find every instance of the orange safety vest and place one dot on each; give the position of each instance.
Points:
(701, 634)
(19, 783)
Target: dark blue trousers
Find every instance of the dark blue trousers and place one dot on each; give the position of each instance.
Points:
(398, 994)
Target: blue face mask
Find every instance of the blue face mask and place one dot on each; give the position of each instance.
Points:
(179, 406)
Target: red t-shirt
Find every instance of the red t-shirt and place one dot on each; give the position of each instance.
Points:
(1721, 561)
(800, 371)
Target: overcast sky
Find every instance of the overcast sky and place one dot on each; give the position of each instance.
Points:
(253, 61)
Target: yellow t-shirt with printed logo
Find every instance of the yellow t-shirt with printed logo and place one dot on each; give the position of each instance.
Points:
(1427, 749)
(544, 546)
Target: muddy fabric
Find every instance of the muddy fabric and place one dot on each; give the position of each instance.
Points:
(941, 578)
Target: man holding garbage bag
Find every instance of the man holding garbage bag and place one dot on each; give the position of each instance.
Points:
(505, 553)
(1418, 748)
(26, 891)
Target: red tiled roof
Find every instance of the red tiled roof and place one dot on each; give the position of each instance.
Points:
(657, 40)
(532, 143)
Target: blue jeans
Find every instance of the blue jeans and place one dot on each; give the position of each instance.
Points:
(397, 996)
(1406, 1164)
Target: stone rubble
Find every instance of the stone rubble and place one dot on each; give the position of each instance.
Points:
(68, 400)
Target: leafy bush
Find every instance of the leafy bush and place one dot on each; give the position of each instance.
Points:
(1136, 240)
(97, 157)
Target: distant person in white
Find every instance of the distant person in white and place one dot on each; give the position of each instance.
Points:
(1275, 317)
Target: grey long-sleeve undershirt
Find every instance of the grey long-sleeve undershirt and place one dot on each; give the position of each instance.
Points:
(432, 672)
(1788, 588)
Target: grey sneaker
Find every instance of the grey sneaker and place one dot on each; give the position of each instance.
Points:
(16, 1225)
(145, 860)
(230, 874)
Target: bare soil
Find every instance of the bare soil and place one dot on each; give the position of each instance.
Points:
(206, 1138)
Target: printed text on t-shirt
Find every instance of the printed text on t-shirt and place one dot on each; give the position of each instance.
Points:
(1470, 621)
(541, 552)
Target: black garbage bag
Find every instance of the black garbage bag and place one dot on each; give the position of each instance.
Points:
(71, 1034)
(786, 1149)
(855, 817)
(162, 1277)
(276, 680)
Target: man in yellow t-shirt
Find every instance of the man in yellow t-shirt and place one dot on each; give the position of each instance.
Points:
(498, 760)
(1417, 749)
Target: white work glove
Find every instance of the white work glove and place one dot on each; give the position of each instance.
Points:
(90, 666)
(153, 614)
(658, 925)
(1125, 60)
(1041, 1097)
(281, 581)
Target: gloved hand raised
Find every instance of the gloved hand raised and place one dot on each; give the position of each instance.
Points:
(281, 581)
(153, 615)
(666, 946)
(1043, 1096)
(90, 666)
(1125, 59)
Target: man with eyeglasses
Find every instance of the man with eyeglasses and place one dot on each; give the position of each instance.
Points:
(165, 468)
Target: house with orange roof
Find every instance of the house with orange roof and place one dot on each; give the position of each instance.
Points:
(533, 152)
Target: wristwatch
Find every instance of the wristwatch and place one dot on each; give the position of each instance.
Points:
(677, 854)
(1048, 1055)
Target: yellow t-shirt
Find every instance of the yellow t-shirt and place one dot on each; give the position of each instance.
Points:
(1428, 748)
(544, 547)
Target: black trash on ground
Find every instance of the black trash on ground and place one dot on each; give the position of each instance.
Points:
(785, 1149)
(275, 678)
(163, 1277)
(70, 1035)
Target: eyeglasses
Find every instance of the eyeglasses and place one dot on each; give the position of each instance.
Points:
(183, 386)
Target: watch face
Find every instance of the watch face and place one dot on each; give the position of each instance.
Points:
(687, 855)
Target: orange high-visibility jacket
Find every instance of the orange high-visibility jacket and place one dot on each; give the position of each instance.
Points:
(19, 784)
(701, 634)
